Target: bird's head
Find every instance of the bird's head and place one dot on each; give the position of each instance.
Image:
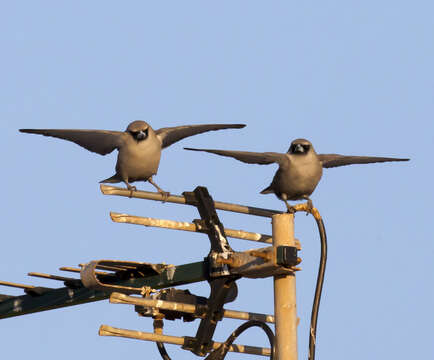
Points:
(138, 129)
(300, 147)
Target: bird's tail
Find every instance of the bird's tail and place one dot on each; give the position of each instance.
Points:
(267, 190)
(113, 179)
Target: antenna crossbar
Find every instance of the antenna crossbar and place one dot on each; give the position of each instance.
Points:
(242, 209)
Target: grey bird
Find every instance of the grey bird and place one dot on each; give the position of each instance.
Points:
(139, 146)
(300, 169)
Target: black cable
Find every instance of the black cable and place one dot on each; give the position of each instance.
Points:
(158, 329)
(220, 353)
(163, 352)
(318, 290)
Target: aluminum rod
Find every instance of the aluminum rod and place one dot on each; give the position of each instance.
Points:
(112, 190)
(186, 226)
(285, 305)
(20, 286)
(118, 298)
(106, 330)
(111, 268)
(52, 277)
(77, 270)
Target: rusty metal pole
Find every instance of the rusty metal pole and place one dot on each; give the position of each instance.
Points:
(285, 305)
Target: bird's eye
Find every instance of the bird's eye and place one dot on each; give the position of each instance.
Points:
(306, 148)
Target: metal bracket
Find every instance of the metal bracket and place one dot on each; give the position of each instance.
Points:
(202, 344)
(122, 271)
(286, 256)
(201, 198)
(179, 296)
(223, 286)
(261, 263)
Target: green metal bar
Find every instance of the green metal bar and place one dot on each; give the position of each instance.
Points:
(62, 297)
(53, 299)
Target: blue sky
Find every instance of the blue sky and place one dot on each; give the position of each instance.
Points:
(354, 78)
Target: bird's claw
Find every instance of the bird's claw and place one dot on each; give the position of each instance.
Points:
(291, 209)
(132, 188)
(165, 195)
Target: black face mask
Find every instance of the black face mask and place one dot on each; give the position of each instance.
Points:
(299, 149)
(140, 135)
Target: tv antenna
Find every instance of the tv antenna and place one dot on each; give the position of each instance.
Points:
(151, 287)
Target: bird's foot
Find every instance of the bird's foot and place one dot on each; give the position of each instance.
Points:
(131, 188)
(165, 195)
(291, 209)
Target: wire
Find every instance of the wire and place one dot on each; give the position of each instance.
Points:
(220, 353)
(158, 329)
(163, 352)
(319, 285)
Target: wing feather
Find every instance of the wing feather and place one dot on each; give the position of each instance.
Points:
(334, 160)
(99, 141)
(247, 156)
(170, 135)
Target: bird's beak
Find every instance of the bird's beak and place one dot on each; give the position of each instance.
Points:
(299, 148)
(142, 134)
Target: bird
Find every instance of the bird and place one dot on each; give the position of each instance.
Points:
(300, 168)
(139, 146)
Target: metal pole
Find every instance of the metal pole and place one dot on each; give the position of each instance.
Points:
(106, 330)
(119, 298)
(285, 305)
(112, 190)
(186, 226)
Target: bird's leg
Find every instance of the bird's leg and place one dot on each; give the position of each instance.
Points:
(290, 208)
(161, 191)
(130, 187)
(309, 204)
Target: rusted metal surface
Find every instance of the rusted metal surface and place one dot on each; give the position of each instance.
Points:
(112, 190)
(257, 263)
(106, 330)
(118, 298)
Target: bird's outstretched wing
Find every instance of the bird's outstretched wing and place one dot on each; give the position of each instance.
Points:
(334, 160)
(100, 141)
(170, 135)
(247, 156)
